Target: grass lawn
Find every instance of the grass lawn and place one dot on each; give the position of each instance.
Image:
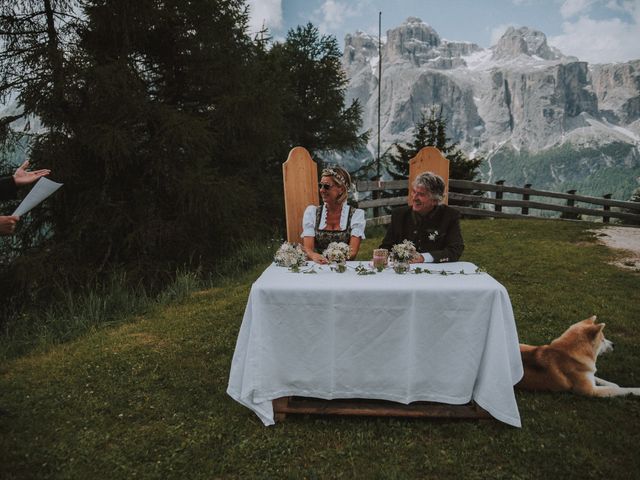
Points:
(147, 399)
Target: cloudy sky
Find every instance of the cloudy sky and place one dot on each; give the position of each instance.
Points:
(597, 31)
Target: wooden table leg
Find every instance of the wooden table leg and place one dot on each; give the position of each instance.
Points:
(279, 408)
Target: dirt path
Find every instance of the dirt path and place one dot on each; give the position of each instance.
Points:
(622, 238)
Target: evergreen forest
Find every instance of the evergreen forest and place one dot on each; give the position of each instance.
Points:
(167, 123)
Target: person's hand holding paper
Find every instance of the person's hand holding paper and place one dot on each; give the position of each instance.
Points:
(40, 191)
(8, 225)
(8, 189)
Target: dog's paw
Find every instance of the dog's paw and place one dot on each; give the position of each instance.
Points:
(605, 383)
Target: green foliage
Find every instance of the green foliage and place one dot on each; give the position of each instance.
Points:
(138, 145)
(431, 130)
(72, 312)
(168, 127)
(34, 35)
(611, 168)
(147, 399)
(309, 67)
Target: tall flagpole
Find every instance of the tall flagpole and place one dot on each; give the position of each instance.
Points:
(379, 84)
(376, 193)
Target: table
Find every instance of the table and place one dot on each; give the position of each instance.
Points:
(400, 337)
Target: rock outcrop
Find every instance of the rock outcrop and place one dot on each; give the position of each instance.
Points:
(520, 94)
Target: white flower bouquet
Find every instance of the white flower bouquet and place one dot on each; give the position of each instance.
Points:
(338, 253)
(290, 255)
(403, 252)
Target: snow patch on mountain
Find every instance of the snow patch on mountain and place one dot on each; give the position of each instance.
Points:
(521, 94)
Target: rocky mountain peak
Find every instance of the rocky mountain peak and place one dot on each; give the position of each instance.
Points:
(518, 100)
(359, 48)
(524, 41)
(413, 39)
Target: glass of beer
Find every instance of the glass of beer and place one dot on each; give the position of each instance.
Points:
(380, 258)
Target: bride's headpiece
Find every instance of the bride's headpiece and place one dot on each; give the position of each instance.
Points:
(338, 176)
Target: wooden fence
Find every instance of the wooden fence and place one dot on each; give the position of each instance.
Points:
(519, 201)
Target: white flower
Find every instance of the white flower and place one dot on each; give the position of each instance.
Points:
(433, 236)
(289, 255)
(337, 252)
(403, 252)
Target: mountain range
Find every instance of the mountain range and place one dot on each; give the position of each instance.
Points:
(534, 114)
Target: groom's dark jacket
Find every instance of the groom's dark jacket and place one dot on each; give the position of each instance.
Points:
(437, 233)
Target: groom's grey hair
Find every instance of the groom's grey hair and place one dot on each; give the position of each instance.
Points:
(433, 183)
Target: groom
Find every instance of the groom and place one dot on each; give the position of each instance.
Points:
(434, 228)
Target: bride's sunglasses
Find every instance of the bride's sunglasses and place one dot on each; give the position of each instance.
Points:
(325, 186)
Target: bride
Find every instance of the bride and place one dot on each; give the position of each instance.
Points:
(334, 220)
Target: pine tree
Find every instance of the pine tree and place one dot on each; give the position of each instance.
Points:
(309, 67)
(431, 130)
(150, 142)
(168, 136)
(33, 37)
(422, 137)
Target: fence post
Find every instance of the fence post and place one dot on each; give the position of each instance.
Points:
(571, 202)
(374, 196)
(525, 198)
(606, 208)
(498, 207)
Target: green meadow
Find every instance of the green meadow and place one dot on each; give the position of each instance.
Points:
(138, 391)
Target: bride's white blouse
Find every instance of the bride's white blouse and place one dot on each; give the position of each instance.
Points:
(358, 221)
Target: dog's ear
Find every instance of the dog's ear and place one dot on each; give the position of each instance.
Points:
(591, 319)
(594, 330)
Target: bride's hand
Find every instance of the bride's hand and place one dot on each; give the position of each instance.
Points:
(317, 258)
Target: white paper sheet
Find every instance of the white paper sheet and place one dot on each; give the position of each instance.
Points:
(40, 191)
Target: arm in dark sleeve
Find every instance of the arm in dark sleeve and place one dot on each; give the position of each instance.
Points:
(387, 241)
(453, 243)
(8, 189)
(390, 238)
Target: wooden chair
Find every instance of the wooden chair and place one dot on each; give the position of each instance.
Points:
(429, 159)
(300, 178)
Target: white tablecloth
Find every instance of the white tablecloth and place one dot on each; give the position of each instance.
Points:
(404, 338)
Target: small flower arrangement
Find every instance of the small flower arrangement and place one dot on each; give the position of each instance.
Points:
(403, 252)
(289, 255)
(338, 253)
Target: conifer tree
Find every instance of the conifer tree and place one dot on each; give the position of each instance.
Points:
(168, 133)
(33, 37)
(431, 130)
(314, 110)
(423, 136)
(149, 141)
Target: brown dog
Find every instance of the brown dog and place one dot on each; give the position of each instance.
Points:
(568, 364)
